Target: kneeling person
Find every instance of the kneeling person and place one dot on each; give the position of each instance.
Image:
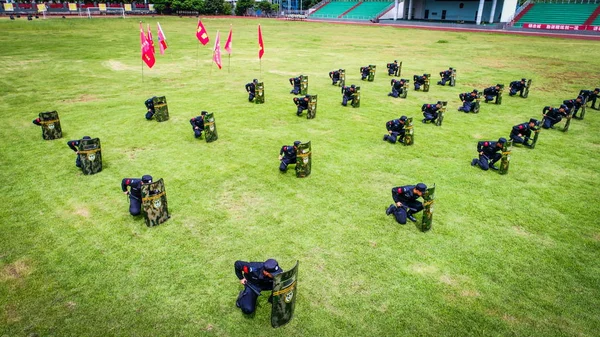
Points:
(198, 124)
(251, 89)
(256, 277)
(488, 154)
(521, 134)
(406, 203)
(74, 144)
(395, 129)
(553, 115)
(430, 112)
(301, 104)
(135, 192)
(149, 103)
(491, 92)
(287, 155)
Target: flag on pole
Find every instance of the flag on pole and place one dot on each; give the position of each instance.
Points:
(162, 40)
(147, 55)
(150, 40)
(217, 51)
(261, 45)
(228, 43)
(201, 33)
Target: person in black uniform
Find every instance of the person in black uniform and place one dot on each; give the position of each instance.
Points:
(491, 92)
(406, 203)
(397, 87)
(301, 104)
(521, 133)
(573, 105)
(488, 154)
(395, 129)
(517, 86)
(467, 98)
(256, 277)
(392, 68)
(135, 192)
(295, 82)
(198, 124)
(348, 94)
(364, 72)
(430, 112)
(445, 75)
(335, 76)
(553, 115)
(591, 96)
(287, 155)
(251, 89)
(419, 81)
(150, 108)
(73, 144)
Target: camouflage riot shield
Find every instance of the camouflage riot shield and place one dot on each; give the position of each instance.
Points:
(477, 103)
(526, 90)
(505, 161)
(210, 128)
(404, 92)
(303, 160)
(453, 78)
(583, 107)
(371, 76)
(409, 133)
(161, 110)
(356, 98)
(284, 297)
(50, 125)
(303, 85)
(499, 96)
(312, 107)
(154, 203)
(342, 81)
(426, 85)
(90, 154)
(428, 200)
(260, 93)
(536, 134)
(568, 122)
(399, 71)
(440, 118)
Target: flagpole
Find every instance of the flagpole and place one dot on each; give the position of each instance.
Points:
(229, 64)
(142, 56)
(197, 49)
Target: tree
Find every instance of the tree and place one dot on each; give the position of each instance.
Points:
(214, 7)
(242, 6)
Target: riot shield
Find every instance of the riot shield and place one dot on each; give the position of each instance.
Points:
(428, 200)
(583, 107)
(568, 122)
(342, 81)
(371, 76)
(312, 107)
(409, 135)
(260, 93)
(161, 110)
(284, 297)
(453, 78)
(303, 85)
(477, 103)
(526, 90)
(499, 96)
(505, 161)
(404, 92)
(426, 85)
(303, 160)
(536, 134)
(50, 125)
(399, 71)
(154, 203)
(440, 118)
(356, 98)
(210, 128)
(90, 153)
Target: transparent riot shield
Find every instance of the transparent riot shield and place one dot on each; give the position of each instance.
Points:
(441, 113)
(409, 135)
(356, 98)
(90, 154)
(50, 125)
(210, 128)
(284, 297)
(505, 161)
(303, 160)
(154, 203)
(428, 201)
(312, 107)
(526, 90)
(372, 69)
(303, 85)
(342, 81)
(161, 110)
(260, 93)
(426, 85)
(453, 77)
(499, 96)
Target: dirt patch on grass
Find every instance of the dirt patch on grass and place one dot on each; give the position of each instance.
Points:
(446, 279)
(469, 293)
(133, 152)
(520, 231)
(70, 305)
(82, 98)
(117, 66)
(423, 269)
(15, 271)
(10, 314)
(83, 211)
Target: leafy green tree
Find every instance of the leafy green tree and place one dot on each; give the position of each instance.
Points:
(227, 8)
(242, 6)
(214, 7)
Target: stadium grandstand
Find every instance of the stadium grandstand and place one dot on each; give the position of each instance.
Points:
(582, 15)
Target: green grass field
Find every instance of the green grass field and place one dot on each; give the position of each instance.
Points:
(512, 255)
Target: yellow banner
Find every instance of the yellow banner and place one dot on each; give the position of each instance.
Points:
(9, 8)
(73, 7)
(41, 7)
(102, 7)
(128, 7)
(150, 7)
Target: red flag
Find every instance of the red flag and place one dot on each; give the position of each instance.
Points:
(228, 43)
(217, 51)
(150, 40)
(261, 49)
(147, 55)
(201, 33)
(162, 40)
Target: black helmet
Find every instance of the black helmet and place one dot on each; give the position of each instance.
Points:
(203, 113)
(421, 187)
(296, 143)
(86, 137)
(147, 178)
(352, 86)
(502, 140)
(403, 118)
